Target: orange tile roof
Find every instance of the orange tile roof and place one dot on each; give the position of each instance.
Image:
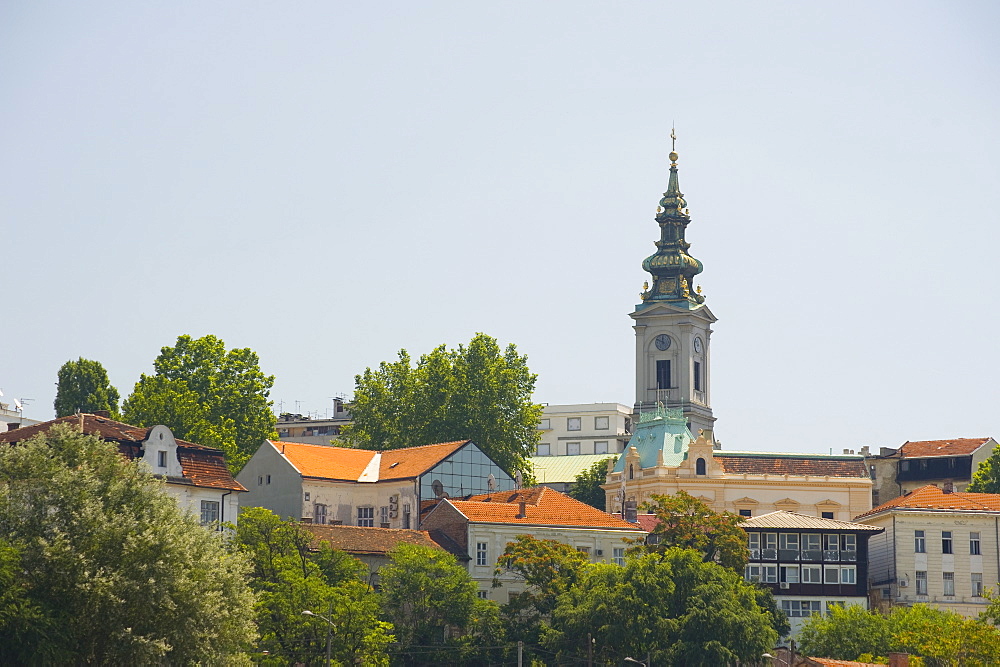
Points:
(414, 461)
(953, 447)
(200, 465)
(345, 463)
(932, 498)
(368, 541)
(325, 461)
(544, 507)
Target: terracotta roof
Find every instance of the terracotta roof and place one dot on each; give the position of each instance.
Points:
(648, 522)
(544, 507)
(201, 466)
(784, 519)
(954, 447)
(415, 461)
(368, 541)
(931, 497)
(815, 465)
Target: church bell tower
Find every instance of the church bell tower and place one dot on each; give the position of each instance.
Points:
(673, 324)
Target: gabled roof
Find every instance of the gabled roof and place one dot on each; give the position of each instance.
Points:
(953, 447)
(783, 519)
(543, 507)
(344, 463)
(201, 466)
(813, 465)
(367, 541)
(931, 497)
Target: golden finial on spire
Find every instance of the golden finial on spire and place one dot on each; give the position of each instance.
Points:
(673, 145)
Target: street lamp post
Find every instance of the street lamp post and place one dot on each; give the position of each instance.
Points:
(329, 629)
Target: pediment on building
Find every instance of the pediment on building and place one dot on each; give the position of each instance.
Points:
(745, 501)
(828, 503)
(665, 309)
(786, 503)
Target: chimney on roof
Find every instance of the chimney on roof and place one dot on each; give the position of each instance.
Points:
(949, 487)
(899, 660)
(865, 451)
(522, 511)
(11, 426)
(102, 413)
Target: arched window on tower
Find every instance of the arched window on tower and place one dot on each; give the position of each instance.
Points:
(631, 471)
(699, 467)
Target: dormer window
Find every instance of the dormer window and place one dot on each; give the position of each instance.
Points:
(699, 467)
(161, 459)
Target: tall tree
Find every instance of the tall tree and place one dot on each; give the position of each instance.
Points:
(475, 392)
(108, 567)
(671, 606)
(986, 478)
(207, 395)
(587, 487)
(687, 522)
(84, 386)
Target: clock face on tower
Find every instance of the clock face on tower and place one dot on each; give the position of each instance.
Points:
(697, 344)
(662, 342)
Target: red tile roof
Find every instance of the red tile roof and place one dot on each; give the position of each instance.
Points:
(201, 466)
(343, 463)
(932, 498)
(543, 507)
(367, 541)
(792, 464)
(953, 447)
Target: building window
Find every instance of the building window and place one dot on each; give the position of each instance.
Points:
(753, 543)
(161, 459)
(697, 376)
(601, 447)
(848, 574)
(790, 574)
(305, 496)
(810, 542)
(946, 542)
(789, 542)
(752, 573)
(800, 608)
(319, 513)
(699, 466)
(584, 550)
(921, 582)
(631, 471)
(746, 512)
(543, 449)
(826, 515)
(919, 542)
(483, 595)
(601, 423)
(812, 574)
(406, 515)
(663, 374)
(848, 543)
(831, 574)
(977, 584)
(948, 579)
(268, 479)
(481, 553)
(544, 424)
(573, 424)
(209, 512)
(769, 574)
(572, 448)
(366, 517)
(974, 548)
(618, 558)
(260, 481)
(383, 516)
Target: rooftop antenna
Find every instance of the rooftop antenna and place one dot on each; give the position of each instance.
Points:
(491, 483)
(297, 404)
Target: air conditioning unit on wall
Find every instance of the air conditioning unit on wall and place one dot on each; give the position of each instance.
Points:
(783, 584)
(903, 583)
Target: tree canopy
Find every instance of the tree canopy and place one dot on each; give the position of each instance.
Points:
(986, 478)
(207, 395)
(687, 522)
(84, 386)
(475, 392)
(99, 566)
(587, 487)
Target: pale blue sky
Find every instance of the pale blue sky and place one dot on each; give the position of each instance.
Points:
(329, 182)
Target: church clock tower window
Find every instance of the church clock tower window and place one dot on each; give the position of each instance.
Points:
(663, 374)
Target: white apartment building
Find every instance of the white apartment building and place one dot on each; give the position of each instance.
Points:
(584, 428)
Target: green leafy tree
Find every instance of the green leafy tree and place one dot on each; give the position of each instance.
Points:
(84, 386)
(587, 487)
(846, 631)
(207, 395)
(429, 598)
(672, 606)
(107, 566)
(688, 523)
(986, 478)
(475, 392)
(290, 579)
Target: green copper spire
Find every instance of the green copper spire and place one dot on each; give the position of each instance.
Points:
(672, 268)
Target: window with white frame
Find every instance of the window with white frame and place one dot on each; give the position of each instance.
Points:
(483, 595)
(770, 540)
(946, 542)
(572, 448)
(788, 541)
(848, 542)
(831, 574)
(769, 574)
(383, 514)
(810, 542)
(977, 584)
(543, 424)
(161, 459)
(800, 608)
(366, 517)
(544, 449)
(752, 573)
(618, 557)
(848, 574)
(209, 512)
(406, 515)
(974, 544)
(319, 513)
(812, 574)
(919, 542)
(601, 447)
(753, 543)
(601, 423)
(948, 579)
(921, 582)
(790, 574)
(482, 553)
(573, 423)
